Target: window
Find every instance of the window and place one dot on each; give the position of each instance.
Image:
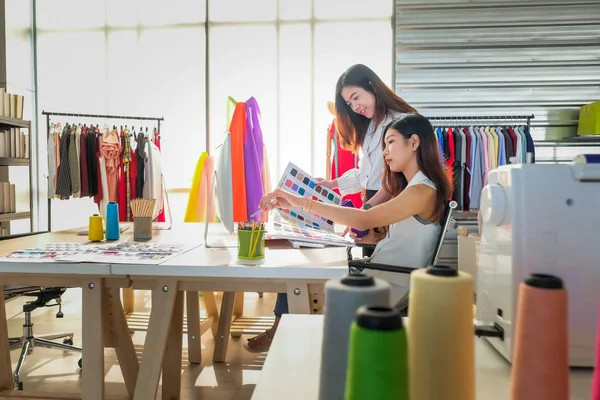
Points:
(134, 57)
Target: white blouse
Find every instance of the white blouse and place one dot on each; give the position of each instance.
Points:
(409, 243)
(370, 163)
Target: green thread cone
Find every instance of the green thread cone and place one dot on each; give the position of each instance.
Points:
(378, 356)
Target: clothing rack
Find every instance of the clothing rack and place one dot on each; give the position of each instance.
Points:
(501, 151)
(479, 118)
(113, 117)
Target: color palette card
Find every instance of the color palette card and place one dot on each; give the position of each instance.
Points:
(280, 228)
(297, 181)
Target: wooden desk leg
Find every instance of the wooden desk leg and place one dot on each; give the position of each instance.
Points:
(156, 339)
(212, 312)
(6, 379)
(92, 342)
(171, 373)
(238, 308)
(222, 339)
(193, 327)
(298, 299)
(122, 340)
(128, 300)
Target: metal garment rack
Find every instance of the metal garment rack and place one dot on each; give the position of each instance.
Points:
(438, 120)
(112, 117)
(444, 120)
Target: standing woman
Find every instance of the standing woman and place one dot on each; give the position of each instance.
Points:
(364, 105)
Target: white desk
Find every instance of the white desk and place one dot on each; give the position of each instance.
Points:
(103, 323)
(301, 273)
(291, 370)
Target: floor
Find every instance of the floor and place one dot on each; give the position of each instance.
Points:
(54, 370)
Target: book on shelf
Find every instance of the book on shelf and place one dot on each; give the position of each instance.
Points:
(14, 143)
(11, 104)
(7, 198)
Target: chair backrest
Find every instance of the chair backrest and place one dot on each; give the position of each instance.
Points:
(445, 223)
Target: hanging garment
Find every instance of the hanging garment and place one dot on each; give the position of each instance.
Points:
(482, 145)
(105, 186)
(225, 185)
(192, 213)
(477, 168)
(467, 181)
(83, 167)
(126, 166)
(121, 180)
(56, 157)
(237, 130)
(508, 147)
(77, 162)
(253, 158)
(102, 192)
(523, 144)
(74, 162)
(141, 164)
(494, 136)
(133, 174)
(501, 147)
(204, 199)
(154, 185)
(450, 159)
(513, 137)
(63, 188)
(156, 140)
(457, 167)
(111, 151)
(92, 161)
(343, 160)
(199, 198)
(530, 144)
(519, 154)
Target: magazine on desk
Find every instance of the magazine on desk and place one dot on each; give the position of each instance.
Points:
(299, 225)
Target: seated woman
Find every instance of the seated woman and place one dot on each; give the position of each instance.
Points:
(418, 183)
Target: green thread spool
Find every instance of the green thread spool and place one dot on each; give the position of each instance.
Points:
(378, 356)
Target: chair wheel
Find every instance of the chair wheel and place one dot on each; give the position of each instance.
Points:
(80, 363)
(68, 341)
(20, 386)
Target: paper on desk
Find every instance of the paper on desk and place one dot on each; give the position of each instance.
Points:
(106, 252)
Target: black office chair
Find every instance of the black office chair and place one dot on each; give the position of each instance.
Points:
(358, 265)
(27, 342)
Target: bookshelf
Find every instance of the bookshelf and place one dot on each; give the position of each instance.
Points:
(6, 163)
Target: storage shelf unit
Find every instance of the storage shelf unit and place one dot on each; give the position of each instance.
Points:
(6, 164)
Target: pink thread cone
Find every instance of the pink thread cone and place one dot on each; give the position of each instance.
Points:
(540, 368)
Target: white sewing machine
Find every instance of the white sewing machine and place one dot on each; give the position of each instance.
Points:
(541, 219)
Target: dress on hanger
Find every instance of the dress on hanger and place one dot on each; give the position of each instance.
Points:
(343, 160)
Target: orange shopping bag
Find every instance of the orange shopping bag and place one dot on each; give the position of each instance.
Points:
(237, 130)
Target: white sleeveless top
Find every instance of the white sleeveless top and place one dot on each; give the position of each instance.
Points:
(409, 243)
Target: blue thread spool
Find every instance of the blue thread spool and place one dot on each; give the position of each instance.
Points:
(112, 221)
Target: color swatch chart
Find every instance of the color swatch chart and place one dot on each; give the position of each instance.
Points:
(297, 181)
(279, 228)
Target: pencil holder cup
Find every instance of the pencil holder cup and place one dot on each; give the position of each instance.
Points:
(142, 228)
(251, 244)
